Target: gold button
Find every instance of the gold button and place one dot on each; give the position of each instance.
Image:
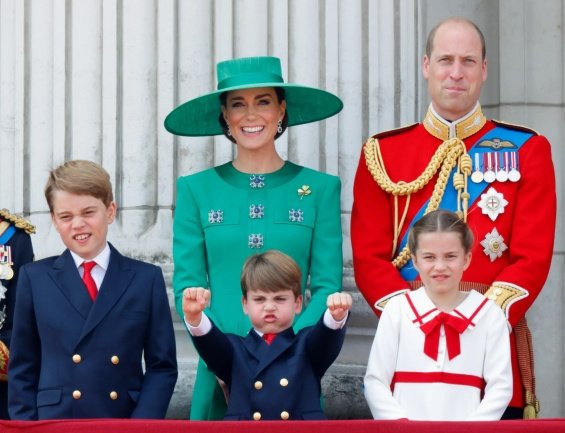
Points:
(114, 395)
(498, 292)
(115, 360)
(284, 415)
(257, 416)
(76, 358)
(284, 381)
(258, 384)
(76, 394)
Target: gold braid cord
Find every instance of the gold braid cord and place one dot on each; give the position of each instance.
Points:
(4, 355)
(18, 221)
(525, 351)
(449, 154)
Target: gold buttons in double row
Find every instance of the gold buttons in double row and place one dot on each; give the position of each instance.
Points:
(258, 384)
(115, 360)
(114, 395)
(76, 358)
(285, 415)
(284, 381)
(76, 394)
(257, 416)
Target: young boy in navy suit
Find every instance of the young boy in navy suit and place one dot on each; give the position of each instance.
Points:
(271, 373)
(85, 320)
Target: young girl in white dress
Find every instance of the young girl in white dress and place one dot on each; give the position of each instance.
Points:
(440, 353)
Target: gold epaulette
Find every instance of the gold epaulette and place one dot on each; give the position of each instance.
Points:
(514, 126)
(18, 221)
(504, 295)
(394, 131)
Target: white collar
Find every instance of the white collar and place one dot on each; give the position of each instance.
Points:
(102, 259)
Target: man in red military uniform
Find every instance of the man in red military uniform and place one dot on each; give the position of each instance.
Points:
(499, 177)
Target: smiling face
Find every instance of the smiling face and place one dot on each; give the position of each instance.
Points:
(455, 69)
(82, 222)
(271, 312)
(253, 116)
(440, 258)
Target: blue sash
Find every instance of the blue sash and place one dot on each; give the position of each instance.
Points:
(449, 199)
(7, 235)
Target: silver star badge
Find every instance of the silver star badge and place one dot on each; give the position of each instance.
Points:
(493, 245)
(492, 203)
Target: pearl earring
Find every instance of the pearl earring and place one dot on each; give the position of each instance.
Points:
(279, 126)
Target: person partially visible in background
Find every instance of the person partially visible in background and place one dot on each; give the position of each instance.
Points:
(16, 249)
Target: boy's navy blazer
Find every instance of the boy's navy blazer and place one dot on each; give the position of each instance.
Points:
(277, 381)
(72, 358)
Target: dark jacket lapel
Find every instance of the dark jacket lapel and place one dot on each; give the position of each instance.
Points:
(65, 275)
(268, 354)
(116, 281)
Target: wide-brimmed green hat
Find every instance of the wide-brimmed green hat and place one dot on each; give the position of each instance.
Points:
(199, 116)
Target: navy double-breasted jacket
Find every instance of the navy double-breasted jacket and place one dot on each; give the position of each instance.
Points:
(74, 358)
(277, 381)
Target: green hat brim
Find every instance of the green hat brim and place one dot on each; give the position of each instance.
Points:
(199, 117)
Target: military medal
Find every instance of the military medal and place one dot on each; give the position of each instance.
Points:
(501, 173)
(6, 271)
(477, 175)
(492, 203)
(493, 245)
(514, 174)
(490, 176)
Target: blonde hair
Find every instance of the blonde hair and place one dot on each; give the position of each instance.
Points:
(271, 271)
(79, 177)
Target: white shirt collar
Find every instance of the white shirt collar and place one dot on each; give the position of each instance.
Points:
(102, 259)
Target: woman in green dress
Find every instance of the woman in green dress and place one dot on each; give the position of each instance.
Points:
(254, 203)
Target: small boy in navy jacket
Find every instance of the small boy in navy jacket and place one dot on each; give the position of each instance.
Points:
(272, 373)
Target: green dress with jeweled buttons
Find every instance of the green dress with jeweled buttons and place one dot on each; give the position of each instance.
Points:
(223, 216)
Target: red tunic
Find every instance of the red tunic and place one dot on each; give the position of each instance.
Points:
(527, 224)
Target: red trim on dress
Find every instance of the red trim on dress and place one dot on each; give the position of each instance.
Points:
(437, 377)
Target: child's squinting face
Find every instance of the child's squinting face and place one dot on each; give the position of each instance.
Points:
(271, 312)
(440, 259)
(82, 222)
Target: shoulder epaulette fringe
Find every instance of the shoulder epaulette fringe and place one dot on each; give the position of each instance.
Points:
(514, 126)
(18, 221)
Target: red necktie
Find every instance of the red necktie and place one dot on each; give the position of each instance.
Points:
(269, 338)
(88, 280)
(453, 327)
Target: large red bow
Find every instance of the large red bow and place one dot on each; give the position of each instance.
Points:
(453, 327)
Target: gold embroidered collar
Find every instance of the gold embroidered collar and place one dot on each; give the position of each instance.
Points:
(460, 128)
